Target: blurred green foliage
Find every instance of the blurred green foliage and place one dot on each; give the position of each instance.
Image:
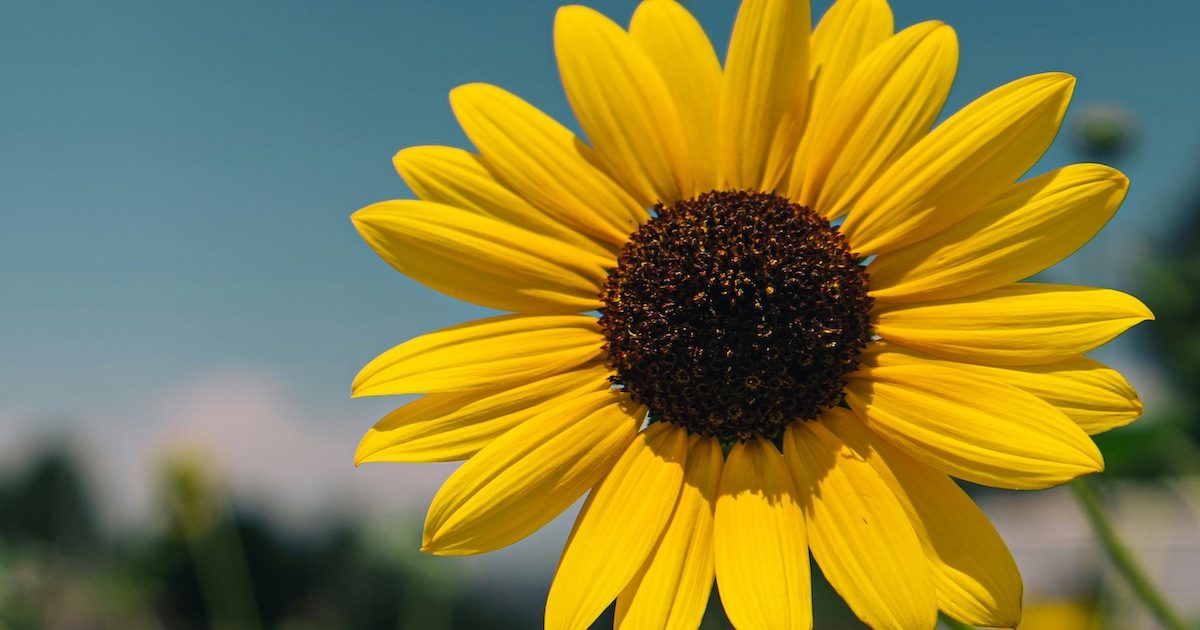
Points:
(48, 505)
(208, 565)
(1171, 288)
(58, 569)
(1167, 440)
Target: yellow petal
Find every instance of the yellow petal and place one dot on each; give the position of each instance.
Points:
(974, 574)
(847, 33)
(621, 522)
(676, 44)
(962, 165)
(972, 427)
(456, 425)
(760, 546)
(1017, 324)
(527, 476)
(859, 533)
(672, 588)
(623, 106)
(1033, 225)
(764, 93)
(545, 163)
(1094, 396)
(886, 105)
(458, 178)
(485, 353)
(481, 260)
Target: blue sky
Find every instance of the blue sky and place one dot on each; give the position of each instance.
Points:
(177, 177)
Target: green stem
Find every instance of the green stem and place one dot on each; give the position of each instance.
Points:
(224, 578)
(1085, 492)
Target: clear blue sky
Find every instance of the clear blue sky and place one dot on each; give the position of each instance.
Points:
(176, 177)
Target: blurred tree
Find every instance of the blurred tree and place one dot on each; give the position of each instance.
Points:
(48, 503)
(1171, 281)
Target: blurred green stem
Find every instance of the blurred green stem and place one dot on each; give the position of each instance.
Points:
(224, 577)
(1085, 492)
(200, 510)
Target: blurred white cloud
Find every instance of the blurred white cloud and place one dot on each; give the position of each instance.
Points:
(276, 455)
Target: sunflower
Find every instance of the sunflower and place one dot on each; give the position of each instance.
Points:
(762, 310)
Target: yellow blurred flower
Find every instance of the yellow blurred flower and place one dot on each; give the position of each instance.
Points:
(1059, 616)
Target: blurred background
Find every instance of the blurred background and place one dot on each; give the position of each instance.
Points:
(185, 304)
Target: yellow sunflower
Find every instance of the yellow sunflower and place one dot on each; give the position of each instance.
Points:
(763, 309)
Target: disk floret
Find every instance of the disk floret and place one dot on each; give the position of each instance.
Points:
(735, 313)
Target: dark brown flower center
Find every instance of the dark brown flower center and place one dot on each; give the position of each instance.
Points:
(734, 314)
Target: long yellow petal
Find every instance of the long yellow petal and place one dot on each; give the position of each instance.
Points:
(886, 105)
(481, 260)
(545, 163)
(527, 476)
(486, 353)
(672, 588)
(761, 549)
(962, 165)
(1017, 324)
(974, 574)
(619, 525)
(847, 33)
(676, 44)
(859, 533)
(623, 106)
(459, 178)
(456, 425)
(764, 93)
(971, 427)
(1033, 225)
(1097, 398)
